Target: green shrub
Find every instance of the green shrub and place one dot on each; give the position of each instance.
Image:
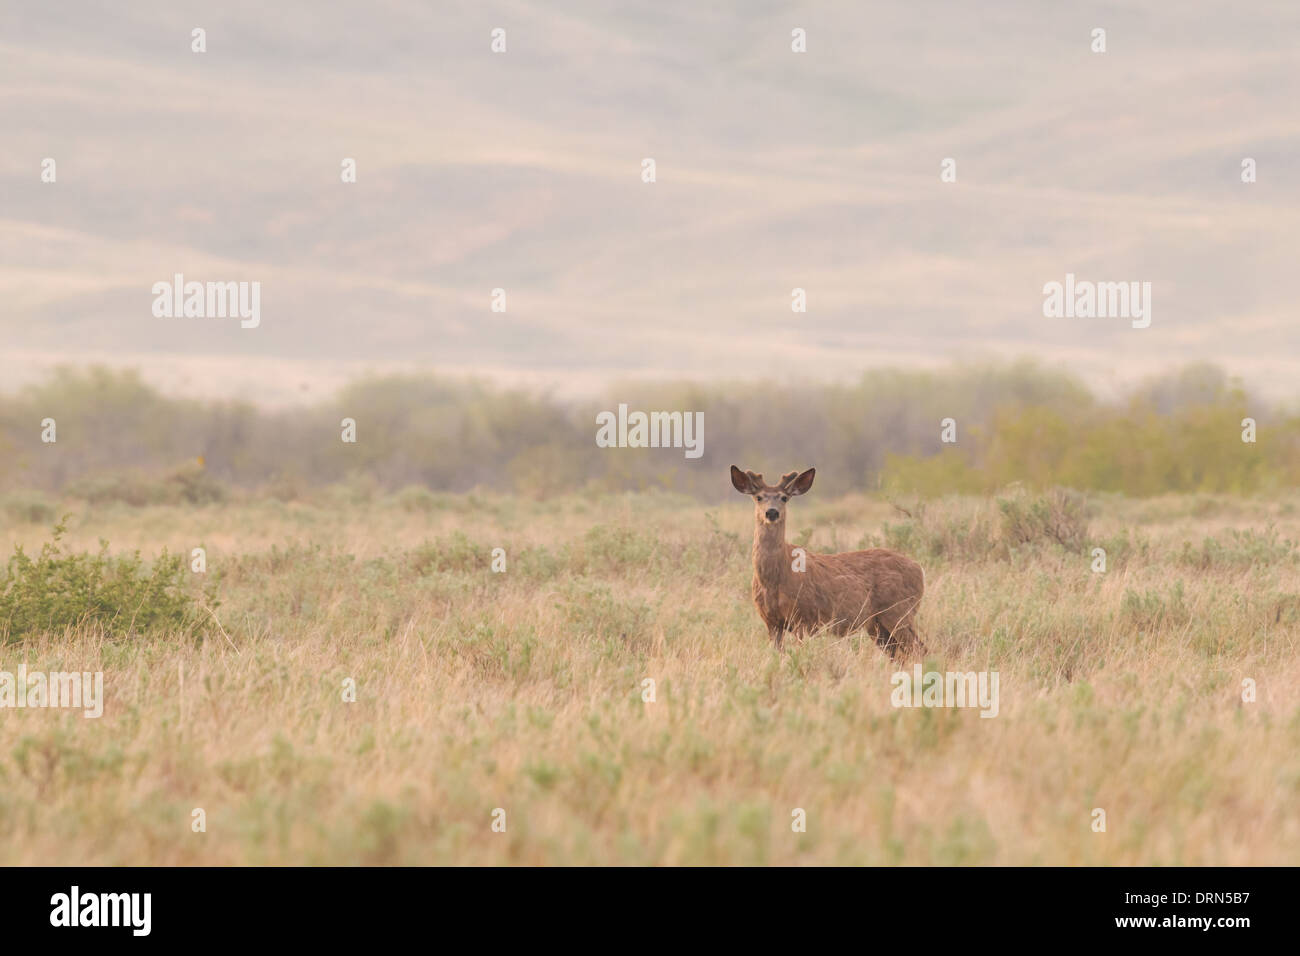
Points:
(948, 532)
(128, 488)
(1241, 549)
(605, 549)
(59, 590)
(1149, 610)
(1060, 516)
(190, 485)
(193, 485)
(592, 609)
(420, 500)
(455, 553)
(1121, 548)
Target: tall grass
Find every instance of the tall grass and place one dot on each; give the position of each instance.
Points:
(523, 690)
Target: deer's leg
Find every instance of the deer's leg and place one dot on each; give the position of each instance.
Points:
(775, 632)
(885, 638)
(908, 642)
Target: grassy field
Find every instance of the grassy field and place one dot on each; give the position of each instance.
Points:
(522, 690)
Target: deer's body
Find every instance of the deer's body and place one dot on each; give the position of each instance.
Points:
(877, 589)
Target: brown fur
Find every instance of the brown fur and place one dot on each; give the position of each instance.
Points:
(875, 589)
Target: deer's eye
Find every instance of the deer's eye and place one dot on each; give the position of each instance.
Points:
(785, 497)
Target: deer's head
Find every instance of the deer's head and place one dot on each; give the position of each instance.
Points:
(770, 500)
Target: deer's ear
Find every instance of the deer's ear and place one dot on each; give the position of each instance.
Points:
(741, 481)
(801, 484)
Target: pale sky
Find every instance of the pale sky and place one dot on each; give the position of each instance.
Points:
(522, 170)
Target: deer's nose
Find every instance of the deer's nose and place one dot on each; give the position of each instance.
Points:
(773, 514)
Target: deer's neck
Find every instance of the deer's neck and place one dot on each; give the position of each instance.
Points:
(771, 559)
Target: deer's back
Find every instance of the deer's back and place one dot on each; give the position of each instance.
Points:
(878, 583)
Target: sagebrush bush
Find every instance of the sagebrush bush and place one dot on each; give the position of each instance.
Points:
(420, 500)
(188, 485)
(57, 590)
(947, 532)
(954, 531)
(1149, 609)
(1242, 548)
(454, 553)
(1060, 516)
(194, 485)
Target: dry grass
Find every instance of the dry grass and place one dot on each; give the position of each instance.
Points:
(522, 691)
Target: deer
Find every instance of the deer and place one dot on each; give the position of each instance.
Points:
(877, 589)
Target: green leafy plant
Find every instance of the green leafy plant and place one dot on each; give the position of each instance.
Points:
(58, 590)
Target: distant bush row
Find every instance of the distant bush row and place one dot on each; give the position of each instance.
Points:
(120, 440)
